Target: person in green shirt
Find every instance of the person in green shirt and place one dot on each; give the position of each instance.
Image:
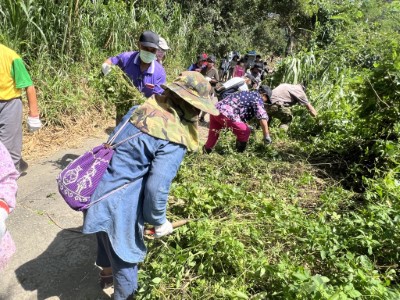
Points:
(13, 78)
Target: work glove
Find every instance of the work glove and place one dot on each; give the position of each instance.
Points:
(105, 68)
(163, 229)
(3, 217)
(34, 123)
(267, 140)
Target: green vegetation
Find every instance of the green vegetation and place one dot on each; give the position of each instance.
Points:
(314, 216)
(271, 226)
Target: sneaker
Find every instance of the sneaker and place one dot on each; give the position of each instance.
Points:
(206, 151)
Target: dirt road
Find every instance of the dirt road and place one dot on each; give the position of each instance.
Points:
(50, 262)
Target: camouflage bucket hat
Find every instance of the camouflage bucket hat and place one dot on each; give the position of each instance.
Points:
(193, 88)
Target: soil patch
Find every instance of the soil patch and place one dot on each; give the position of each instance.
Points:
(49, 140)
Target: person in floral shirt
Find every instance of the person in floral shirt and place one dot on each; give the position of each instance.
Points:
(8, 190)
(235, 110)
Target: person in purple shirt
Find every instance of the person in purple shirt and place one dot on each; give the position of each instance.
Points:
(146, 74)
(235, 110)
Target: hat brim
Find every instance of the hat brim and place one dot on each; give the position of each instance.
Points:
(163, 47)
(151, 45)
(204, 104)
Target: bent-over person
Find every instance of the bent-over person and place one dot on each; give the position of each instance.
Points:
(283, 97)
(235, 110)
(136, 184)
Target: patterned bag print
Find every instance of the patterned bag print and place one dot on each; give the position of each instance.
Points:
(78, 181)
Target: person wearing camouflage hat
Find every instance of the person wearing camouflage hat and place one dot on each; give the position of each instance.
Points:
(134, 190)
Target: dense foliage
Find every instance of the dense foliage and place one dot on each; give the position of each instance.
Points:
(316, 215)
(271, 226)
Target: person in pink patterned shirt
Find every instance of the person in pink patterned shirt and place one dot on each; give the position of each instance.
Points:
(8, 190)
(235, 111)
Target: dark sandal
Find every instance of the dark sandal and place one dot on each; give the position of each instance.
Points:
(106, 281)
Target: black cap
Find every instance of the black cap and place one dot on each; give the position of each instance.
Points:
(149, 39)
(265, 89)
(211, 58)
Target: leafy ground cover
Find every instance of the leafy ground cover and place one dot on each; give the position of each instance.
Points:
(268, 225)
(315, 216)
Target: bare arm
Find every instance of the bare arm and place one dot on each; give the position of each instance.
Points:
(264, 126)
(32, 101)
(312, 110)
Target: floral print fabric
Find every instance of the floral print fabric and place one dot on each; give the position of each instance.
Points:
(7, 249)
(8, 178)
(242, 106)
(8, 190)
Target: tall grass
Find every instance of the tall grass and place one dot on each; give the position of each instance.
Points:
(59, 37)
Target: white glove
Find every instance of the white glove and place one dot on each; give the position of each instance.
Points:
(34, 123)
(163, 229)
(105, 68)
(267, 140)
(3, 217)
(207, 78)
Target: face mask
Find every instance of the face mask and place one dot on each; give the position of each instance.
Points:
(146, 56)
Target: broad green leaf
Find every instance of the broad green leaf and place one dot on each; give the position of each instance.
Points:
(156, 280)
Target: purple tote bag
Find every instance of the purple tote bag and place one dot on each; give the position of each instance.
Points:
(78, 181)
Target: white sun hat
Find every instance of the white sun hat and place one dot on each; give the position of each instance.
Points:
(163, 44)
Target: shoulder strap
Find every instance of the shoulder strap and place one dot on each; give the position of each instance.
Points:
(112, 139)
(124, 140)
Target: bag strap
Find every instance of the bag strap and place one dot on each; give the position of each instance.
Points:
(112, 139)
(124, 140)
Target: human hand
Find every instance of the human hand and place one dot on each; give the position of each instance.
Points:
(163, 229)
(34, 123)
(3, 217)
(105, 68)
(267, 140)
